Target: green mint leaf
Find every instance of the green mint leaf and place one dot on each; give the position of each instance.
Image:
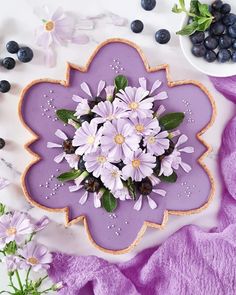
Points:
(121, 82)
(109, 202)
(11, 248)
(2, 209)
(204, 23)
(176, 9)
(172, 178)
(65, 115)
(194, 7)
(171, 121)
(71, 175)
(204, 10)
(188, 29)
(182, 4)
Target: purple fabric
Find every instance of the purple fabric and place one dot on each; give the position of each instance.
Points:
(189, 262)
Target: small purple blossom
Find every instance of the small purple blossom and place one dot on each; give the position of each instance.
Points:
(83, 107)
(138, 165)
(156, 96)
(72, 160)
(144, 126)
(95, 162)
(135, 102)
(157, 142)
(119, 139)
(3, 183)
(174, 160)
(111, 178)
(87, 138)
(15, 227)
(110, 92)
(60, 134)
(35, 256)
(41, 224)
(13, 262)
(122, 194)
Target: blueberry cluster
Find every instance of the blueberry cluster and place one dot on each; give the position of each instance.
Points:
(219, 41)
(24, 54)
(162, 36)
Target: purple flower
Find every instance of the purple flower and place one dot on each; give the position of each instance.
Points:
(15, 227)
(152, 204)
(119, 139)
(13, 262)
(144, 126)
(174, 160)
(110, 92)
(85, 87)
(122, 194)
(87, 138)
(158, 96)
(83, 107)
(95, 162)
(35, 256)
(111, 178)
(135, 102)
(138, 165)
(72, 160)
(108, 111)
(156, 142)
(60, 134)
(41, 224)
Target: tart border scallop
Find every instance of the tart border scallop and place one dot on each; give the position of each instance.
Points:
(170, 83)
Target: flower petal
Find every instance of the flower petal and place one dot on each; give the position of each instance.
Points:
(61, 134)
(152, 204)
(84, 86)
(84, 198)
(138, 204)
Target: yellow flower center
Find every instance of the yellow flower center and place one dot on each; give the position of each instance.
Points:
(139, 128)
(136, 163)
(151, 139)
(101, 159)
(33, 260)
(11, 231)
(114, 173)
(119, 139)
(49, 25)
(90, 139)
(133, 105)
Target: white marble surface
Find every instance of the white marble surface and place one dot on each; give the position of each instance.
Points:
(17, 22)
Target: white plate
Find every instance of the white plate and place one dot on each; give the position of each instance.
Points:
(214, 69)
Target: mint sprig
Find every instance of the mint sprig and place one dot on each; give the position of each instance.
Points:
(200, 14)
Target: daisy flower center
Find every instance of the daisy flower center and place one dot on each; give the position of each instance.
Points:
(111, 117)
(136, 163)
(119, 139)
(11, 231)
(139, 128)
(114, 174)
(101, 159)
(151, 139)
(49, 25)
(133, 105)
(90, 139)
(33, 260)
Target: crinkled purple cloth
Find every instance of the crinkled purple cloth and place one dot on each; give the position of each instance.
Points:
(190, 262)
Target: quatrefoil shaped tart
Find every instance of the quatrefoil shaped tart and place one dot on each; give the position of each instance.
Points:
(117, 145)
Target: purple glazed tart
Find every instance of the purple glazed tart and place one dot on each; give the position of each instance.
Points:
(117, 145)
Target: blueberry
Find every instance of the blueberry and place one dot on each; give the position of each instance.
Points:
(216, 5)
(233, 56)
(232, 31)
(12, 47)
(8, 63)
(199, 50)
(92, 184)
(225, 9)
(229, 19)
(68, 148)
(210, 56)
(81, 164)
(217, 15)
(137, 26)
(217, 29)
(145, 186)
(234, 45)
(148, 4)
(2, 143)
(162, 36)
(25, 54)
(223, 55)
(225, 42)
(5, 86)
(197, 37)
(211, 42)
